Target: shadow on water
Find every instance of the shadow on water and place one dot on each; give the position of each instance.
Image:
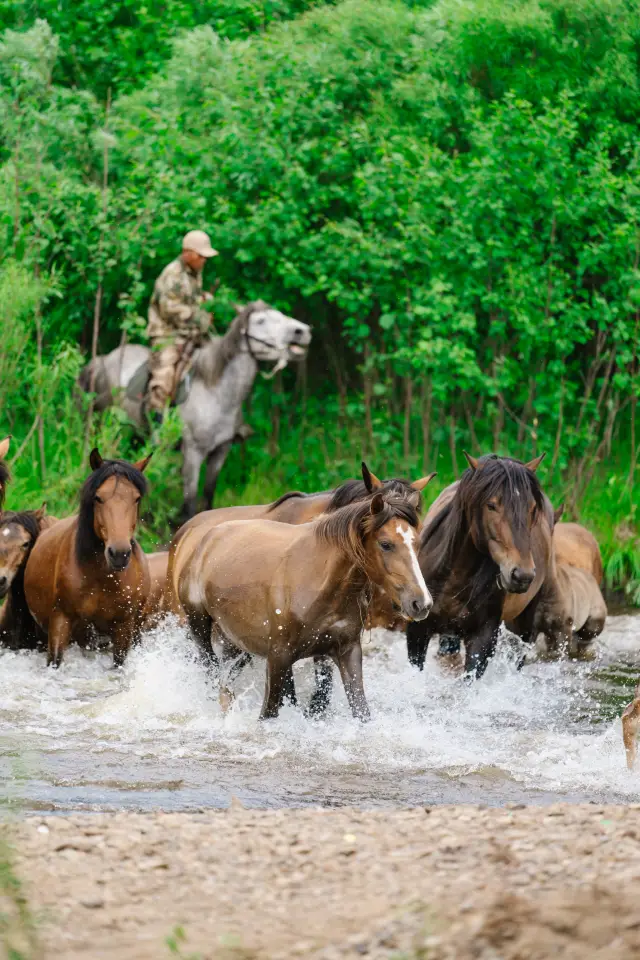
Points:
(152, 735)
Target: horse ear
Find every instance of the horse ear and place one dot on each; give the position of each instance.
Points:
(95, 460)
(377, 504)
(420, 484)
(371, 482)
(472, 461)
(534, 464)
(557, 514)
(141, 465)
(4, 446)
(41, 512)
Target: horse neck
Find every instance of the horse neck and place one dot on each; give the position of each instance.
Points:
(236, 380)
(449, 557)
(344, 581)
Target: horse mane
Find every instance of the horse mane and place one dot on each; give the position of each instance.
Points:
(5, 477)
(291, 495)
(442, 537)
(210, 362)
(24, 518)
(353, 491)
(347, 527)
(87, 543)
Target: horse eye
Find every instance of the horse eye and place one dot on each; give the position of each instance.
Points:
(138, 499)
(26, 545)
(386, 546)
(98, 499)
(492, 506)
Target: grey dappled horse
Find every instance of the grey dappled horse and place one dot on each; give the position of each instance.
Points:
(223, 373)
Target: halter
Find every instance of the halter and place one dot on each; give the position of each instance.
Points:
(280, 364)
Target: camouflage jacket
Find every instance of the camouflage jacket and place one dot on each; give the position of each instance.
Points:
(175, 309)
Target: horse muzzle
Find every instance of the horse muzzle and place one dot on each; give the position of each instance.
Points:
(416, 607)
(117, 558)
(519, 580)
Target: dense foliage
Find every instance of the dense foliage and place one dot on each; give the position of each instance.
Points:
(449, 192)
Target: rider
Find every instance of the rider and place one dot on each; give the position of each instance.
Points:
(177, 321)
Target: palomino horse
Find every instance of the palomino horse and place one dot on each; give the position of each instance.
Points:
(484, 551)
(571, 610)
(5, 476)
(224, 371)
(155, 606)
(576, 546)
(18, 534)
(88, 572)
(287, 592)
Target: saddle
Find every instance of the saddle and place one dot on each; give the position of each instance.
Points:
(137, 386)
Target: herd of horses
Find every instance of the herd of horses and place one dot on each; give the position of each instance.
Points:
(304, 576)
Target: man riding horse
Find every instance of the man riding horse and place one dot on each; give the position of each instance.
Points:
(178, 322)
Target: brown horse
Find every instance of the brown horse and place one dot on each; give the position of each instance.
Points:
(484, 551)
(5, 476)
(571, 612)
(18, 534)
(88, 572)
(576, 546)
(630, 723)
(286, 592)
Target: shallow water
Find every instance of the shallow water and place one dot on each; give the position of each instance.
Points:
(153, 736)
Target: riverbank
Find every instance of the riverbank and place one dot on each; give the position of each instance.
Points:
(447, 883)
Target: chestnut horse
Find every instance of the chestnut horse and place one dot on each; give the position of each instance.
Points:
(5, 476)
(286, 592)
(88, 571)
(484, 551)
(18, 534)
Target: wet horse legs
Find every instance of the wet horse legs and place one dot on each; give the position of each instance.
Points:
(59, 635)
(277, 683)
(349, 662)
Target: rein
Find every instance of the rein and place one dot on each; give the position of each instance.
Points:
(280, 364)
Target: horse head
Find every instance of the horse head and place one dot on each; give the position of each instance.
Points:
(272, 336)
(18, 533)
(110, 509)
(502, 501)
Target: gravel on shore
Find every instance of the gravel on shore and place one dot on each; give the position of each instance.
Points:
(439, 883)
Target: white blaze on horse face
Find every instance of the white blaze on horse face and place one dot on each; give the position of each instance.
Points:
(409, 536)
(6, 532)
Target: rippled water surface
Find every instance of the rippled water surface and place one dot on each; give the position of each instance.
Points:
(153, 736)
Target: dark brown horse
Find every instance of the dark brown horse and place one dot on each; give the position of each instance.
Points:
(484, 551)
(5, 476)
(88, 572)
(286, 592)
(18, 534)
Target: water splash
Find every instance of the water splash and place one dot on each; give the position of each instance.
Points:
(153, 734)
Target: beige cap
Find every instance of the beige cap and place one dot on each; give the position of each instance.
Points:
(198, 241)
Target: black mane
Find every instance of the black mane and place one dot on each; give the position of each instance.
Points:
(87, 543)
(352, 491)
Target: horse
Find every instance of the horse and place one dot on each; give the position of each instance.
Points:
(286, 592)
(630, 722)
(88, 572)
(18, 534)
(576, 546)
(5, 476)
(223, 373)
(484, 551)
(572, 610)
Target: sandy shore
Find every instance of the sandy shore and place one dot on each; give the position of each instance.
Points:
(443, 883)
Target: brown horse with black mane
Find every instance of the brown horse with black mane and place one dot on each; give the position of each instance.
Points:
(484, 552)
(286, 592)
(18, 534)
(88, 571)
(5, 476)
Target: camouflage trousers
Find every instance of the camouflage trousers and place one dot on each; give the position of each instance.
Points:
(163, 368)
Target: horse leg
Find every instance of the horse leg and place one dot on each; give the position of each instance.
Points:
(191, 462)
(630, 723)
(215, 461)
(479, 650)
(278, 669)
(418, 635)
(321, 697)
(124, 634)
(59, 634)
(290, 688)
(349, 662)
(233, 661)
